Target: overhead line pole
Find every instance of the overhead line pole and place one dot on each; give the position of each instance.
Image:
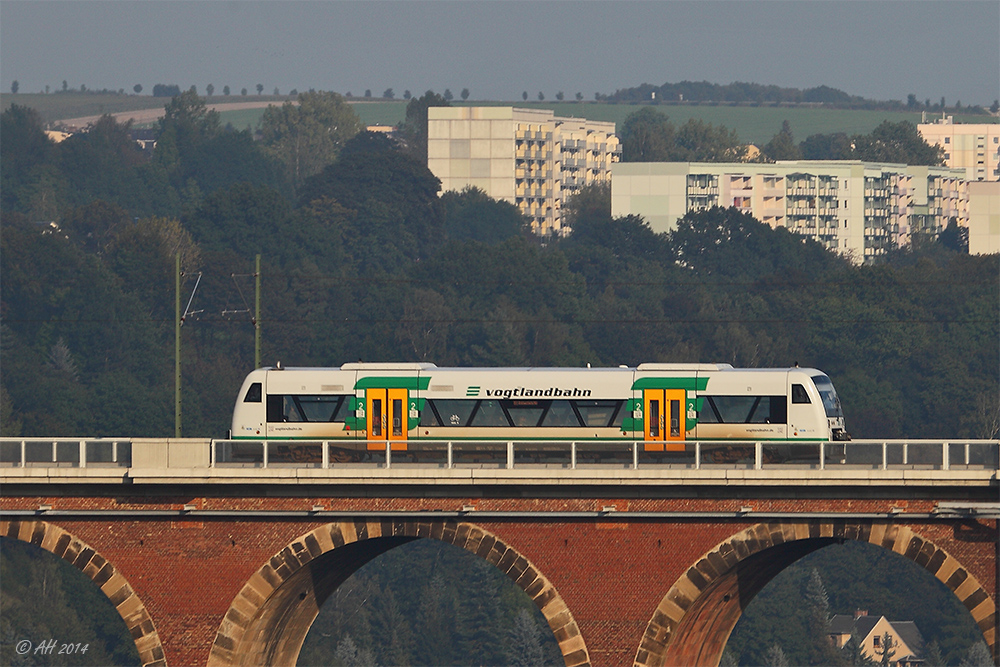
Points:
(177, 345)
(256, 319)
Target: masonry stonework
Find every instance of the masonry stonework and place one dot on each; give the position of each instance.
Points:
(618, 589)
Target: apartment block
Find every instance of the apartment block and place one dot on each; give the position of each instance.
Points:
(972, 147)
(858, 209)
(984, 217)
(531, 158)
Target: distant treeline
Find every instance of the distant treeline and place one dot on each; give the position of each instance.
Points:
(754, 94)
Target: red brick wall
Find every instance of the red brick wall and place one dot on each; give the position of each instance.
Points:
(611, 574)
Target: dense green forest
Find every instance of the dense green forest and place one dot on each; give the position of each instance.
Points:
(648, 135)
(363, 258)
(43, 597)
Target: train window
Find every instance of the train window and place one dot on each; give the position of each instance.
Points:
(524, 413)
(322, 408)
(769, 410)
(708, 414)
(274, 408)
(734, 409)
(283, 409)
(597, 413)
(619, 415)
(831, 402)
(489, 413)
(654, 419)
(397, 417)
(561, 413)
(744, 410)
(306, 408)
(375, 418)
(453, 412)
(253, 393)
(799, 394)
(427, 416)
(779, 410)
(291, 411)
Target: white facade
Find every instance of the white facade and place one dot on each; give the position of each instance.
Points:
(984, 218)
(972, 147)
(859, 209)
(531, 158)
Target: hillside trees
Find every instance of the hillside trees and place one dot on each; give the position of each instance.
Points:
(413, 130)
(44, 595)
(63, 297)
(836, 146)
(889, 142)
(649, 136)
(25, 162)
(473, 215)
(199, 156)
(782, 145)
(897, 142)
(307, 136)
(369, 262)
(396, 212)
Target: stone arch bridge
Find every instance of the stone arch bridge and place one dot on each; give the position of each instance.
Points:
(649, 566)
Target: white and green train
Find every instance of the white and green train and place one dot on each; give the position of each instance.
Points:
(662, 405)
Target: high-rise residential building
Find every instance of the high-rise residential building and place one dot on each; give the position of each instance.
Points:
(972, 147)
(859, 209)
(984, 217)
(529, 157)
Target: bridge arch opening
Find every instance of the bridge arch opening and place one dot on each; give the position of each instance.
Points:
(268, 621)
(429, 603)
(60, 542)
(694, 620)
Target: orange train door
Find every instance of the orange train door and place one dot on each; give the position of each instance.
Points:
(665, 422)
(387, 418)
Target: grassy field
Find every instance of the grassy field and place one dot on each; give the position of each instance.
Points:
(74, 105)
(61, 106)
(752, 124)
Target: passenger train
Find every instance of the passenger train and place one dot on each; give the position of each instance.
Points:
(662, 405)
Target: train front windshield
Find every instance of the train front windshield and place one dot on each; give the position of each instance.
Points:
(831, 402)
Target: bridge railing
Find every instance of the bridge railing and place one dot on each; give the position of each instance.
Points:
(500, 454)
(66, 452)
(864, 454)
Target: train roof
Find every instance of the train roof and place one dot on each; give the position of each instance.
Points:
(424, 366)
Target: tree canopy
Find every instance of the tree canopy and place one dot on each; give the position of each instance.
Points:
(307, 136)
(649, 136)
(368, 261)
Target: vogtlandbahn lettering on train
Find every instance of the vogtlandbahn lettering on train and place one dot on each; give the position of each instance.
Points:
(521, 392)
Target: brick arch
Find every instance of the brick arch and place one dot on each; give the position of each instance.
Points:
(103, 573)
(270, 617)
(692, 623)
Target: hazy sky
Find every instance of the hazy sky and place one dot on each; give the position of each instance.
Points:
(498, 49)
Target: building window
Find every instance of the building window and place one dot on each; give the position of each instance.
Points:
(947, 140)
